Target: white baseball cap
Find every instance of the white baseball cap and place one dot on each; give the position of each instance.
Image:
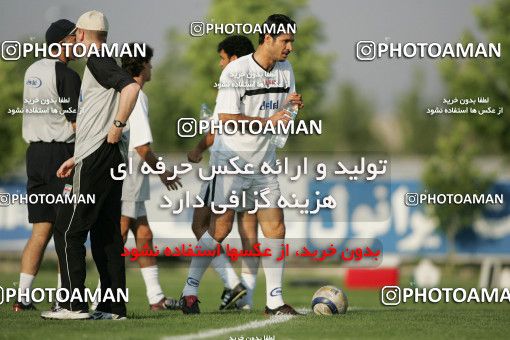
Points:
(93, 21)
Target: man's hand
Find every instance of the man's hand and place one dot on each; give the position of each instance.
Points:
(114, 135)
(280, 116)
(170, 184)
(66, 168)
(194, 156)
(296, 98)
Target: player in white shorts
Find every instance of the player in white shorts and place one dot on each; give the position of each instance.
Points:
(261, 101)
(238, 293)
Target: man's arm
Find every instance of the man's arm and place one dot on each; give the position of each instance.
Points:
(66, 168)
(147, 155)
(128, 97)
(150, 158)
(205, 143)
(110, 75)
(127, 101)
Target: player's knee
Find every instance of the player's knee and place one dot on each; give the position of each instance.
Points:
(280, 230)
(220, 231)
(199, 229)
(144, 234)
(276, 230)
(124, 234)
(220, 236)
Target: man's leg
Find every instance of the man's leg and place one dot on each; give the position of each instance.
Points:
(34, 249)
(201, 221)
(221, 264)
(248, 227)
(107, 247)
(91, 177)
(148, 265)
(32, 257)
(126, 224)
(70, 235)
(273, 228)
(221, 225)
(71, 228)
(42, 162)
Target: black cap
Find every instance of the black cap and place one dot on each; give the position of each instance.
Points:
(59, 30)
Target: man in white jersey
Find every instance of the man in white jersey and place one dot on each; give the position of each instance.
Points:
(258, 101)
(135, 189)
(237, 292)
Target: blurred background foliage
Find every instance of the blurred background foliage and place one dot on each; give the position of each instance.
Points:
(185, 77)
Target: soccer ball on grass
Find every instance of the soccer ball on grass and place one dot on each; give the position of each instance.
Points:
(329, 300)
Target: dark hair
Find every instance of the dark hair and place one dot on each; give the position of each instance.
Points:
(134, 65)
(236, 45)
(275, 20)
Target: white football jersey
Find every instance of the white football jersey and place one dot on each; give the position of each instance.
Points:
(251, 91)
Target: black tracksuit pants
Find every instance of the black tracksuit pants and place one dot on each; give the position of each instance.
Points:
(102, 220)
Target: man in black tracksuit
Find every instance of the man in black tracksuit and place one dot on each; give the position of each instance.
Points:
(108, 95)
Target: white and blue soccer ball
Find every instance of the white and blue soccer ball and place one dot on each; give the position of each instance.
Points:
(329, 300)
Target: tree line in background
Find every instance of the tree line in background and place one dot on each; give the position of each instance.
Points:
(451, 168)
(186, 75)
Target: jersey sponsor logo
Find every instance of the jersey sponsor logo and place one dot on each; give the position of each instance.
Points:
(269, 105)
(34, 82)
(270, 82)
(276, 291)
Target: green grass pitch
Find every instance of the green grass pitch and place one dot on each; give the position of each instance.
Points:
(366, 318)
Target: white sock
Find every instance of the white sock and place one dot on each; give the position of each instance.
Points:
(273, 270)
(25, 282)
(249, 279)
(225, 270)
(199, 265)
(59, 285)
(154, 291)
(94, 301)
